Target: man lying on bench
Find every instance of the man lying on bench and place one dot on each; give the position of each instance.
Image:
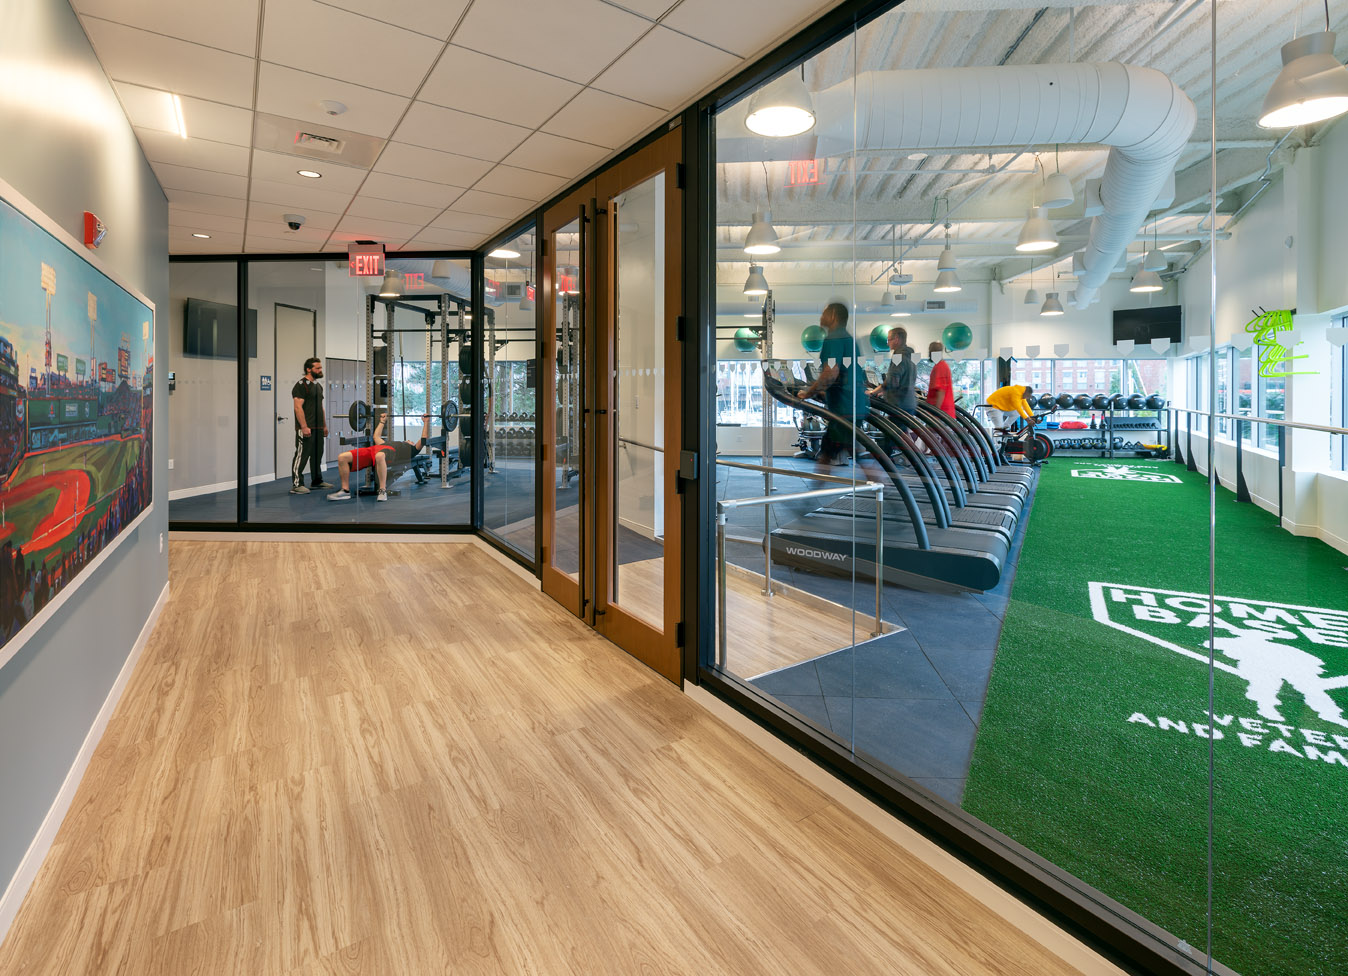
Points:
(380, 456)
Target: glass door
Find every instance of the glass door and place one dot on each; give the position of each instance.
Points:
(611, 517)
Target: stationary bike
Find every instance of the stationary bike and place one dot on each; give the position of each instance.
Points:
(1022, 445)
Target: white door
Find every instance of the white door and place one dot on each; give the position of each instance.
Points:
(295, 342)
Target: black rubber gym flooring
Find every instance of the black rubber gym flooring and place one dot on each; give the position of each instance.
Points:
(910, 701)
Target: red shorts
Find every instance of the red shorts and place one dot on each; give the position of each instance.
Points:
(363, 457)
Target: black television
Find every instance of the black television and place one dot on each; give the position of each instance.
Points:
(1142, 325)
(211, 330)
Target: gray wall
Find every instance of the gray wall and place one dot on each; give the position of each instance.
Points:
(68, 155)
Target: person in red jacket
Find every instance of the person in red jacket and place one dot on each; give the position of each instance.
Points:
(941, 386)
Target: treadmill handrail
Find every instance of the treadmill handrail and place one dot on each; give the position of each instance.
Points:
(884, 407)
(977, 451)
(918, 461)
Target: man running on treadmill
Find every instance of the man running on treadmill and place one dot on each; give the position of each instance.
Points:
(377, 456)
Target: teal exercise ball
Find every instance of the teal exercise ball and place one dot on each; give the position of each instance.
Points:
(957, 335)
(880, 337)
(746, 339)
(812, 338)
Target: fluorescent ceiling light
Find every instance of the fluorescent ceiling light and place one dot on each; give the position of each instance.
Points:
(392, 286)
(178, 119)
(782, 108)
(755, 284)
(1051, 305)
(1146, 281)
(1311, 87)
(947, 281)
(204, 237)
(900, 315)
(762, 237)
(1037, 234)
(309, 174)
(503, 252)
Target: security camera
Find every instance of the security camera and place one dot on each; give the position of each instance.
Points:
(294, 221)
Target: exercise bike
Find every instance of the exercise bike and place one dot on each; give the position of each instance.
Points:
(1021, 444)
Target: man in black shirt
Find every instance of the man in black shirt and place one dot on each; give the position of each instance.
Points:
(311, 426)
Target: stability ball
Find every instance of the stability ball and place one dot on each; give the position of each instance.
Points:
(957, 335)
(812, 338)
(880, 338)
(746, 339)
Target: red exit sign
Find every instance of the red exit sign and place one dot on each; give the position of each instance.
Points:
(802, 172)
(414, 280)
(365, 260)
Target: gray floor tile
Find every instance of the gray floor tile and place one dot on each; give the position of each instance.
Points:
(965, 670)
(890, 667)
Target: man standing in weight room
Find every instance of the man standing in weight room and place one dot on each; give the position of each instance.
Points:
(311, 427)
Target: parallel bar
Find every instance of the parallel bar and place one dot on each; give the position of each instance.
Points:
(792, 472)
(1249, 418)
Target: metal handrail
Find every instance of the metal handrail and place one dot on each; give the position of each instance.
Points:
(649, 447)
(1250, 418)
(724, 507)
(792, 472)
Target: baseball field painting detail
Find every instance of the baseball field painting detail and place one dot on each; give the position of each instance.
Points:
(76, 409)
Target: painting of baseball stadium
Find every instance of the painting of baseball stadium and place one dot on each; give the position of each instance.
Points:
(76, 375)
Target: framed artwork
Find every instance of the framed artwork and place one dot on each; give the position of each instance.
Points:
(76, 415)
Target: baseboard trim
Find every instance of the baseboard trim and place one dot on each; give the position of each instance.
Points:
(37, 851)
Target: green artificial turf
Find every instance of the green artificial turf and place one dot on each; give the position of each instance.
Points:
(1123, 805)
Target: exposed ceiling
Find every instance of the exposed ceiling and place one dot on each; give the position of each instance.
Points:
(873, 205)
(460, 115)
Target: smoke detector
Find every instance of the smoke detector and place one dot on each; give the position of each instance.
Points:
(331, 106)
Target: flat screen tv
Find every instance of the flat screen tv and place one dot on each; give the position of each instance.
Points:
(1142, 325)
(211, 330)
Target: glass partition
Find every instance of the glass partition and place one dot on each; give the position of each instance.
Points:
(509, 499)
(203, 394)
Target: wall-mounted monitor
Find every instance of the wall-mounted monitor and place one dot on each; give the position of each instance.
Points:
(1142, 325)
(211, 330)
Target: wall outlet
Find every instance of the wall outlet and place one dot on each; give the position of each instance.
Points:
(170, 464)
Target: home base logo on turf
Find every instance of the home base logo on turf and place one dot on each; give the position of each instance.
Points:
(1274, 648)
(1126, 472)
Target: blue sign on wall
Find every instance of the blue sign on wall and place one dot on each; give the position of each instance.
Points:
(266, 383)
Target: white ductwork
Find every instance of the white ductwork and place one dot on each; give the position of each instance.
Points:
(1142, 115)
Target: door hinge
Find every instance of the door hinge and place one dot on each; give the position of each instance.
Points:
(680, 175)
(681, 328)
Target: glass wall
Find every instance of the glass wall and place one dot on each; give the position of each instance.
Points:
(203, 391)
(357, 405)
(511, 273)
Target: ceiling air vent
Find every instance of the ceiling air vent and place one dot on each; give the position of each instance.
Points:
(934, 305)
(316, 143)
(296, 137)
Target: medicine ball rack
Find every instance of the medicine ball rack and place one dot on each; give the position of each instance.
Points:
(1119, 432)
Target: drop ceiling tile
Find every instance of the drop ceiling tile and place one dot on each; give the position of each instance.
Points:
(341, 238)
(409, 213)
(544, 153)
(168, 64)
(298, 199)
(206, 203)
(200, 180)
(257, 244)
(311, 237)
(434, 17)
(231, 26)
(498, 89)
(647, 8)
(603, 119)
(666, 69)
(492, 204)
(569, 38)
(377, 230)
(316, 37)
(165, 147)
(284, 168)
(745, 26)
(269, 218)
(206, 222)
(149, 108)
(182, 242)
(520, 183)
(415, 162)
(456, 220)
(386, 186)
(218, 123)
(296, 95)
(433, 127)
(431, 239)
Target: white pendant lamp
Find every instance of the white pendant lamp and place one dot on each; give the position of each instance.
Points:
(393, 284)
(755, 284)
(1311, 87)
(1037, 234)
(782, 108)
(946, 262)
(526, 303)
(887, 299)
(506, 253)
(1032, 297)
(442, 269)
(1146, 281)
(1051, 305)
(762, 237)
(946, 279)
(1058, 191)
(1155, 260)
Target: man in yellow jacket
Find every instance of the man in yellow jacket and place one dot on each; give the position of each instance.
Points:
(1012, 399)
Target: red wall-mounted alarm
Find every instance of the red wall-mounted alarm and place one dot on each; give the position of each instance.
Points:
(94, 231)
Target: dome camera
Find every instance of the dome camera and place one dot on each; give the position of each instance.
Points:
(294, 221)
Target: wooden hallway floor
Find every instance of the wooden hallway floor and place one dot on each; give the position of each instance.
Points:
(402, 759)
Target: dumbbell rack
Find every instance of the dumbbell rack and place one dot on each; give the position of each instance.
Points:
(1108, 430)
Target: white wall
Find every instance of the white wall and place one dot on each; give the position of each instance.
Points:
(203, 430)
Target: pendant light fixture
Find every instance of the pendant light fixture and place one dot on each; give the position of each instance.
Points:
(946, 278)
(442, 269)
(762, 237)
(1312, 85)
(526, 303)
(782, 108)
(1051, 305)
(1037, 234)
(393, 284)
(1057, 191)
(1032, 296)
(755, 284)
(1155, 258)
(1145, 281)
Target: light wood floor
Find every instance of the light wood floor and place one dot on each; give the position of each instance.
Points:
(401, 759)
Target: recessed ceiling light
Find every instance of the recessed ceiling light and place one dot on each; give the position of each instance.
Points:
(204, 237)
(180, 124)
(309, 174)
(503, 252)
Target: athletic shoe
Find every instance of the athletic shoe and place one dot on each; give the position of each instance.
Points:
(339, 496)
(324, 484)
(381, 497)
(299, 490)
